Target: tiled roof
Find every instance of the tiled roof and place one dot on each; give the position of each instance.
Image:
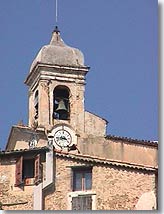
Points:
(84, 158)
(17, 151)
(98, 160)
(21, 128)
(131, 140)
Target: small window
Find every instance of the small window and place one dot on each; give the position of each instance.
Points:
(27, 171)
(28, 168)
(61, 106)
(36, 104)
(82, 179)
(82, 202)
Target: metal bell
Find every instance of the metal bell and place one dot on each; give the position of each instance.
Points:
(61, 106)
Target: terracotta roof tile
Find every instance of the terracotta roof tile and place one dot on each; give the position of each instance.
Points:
(7, 152)
(132, 140)
(94, 159)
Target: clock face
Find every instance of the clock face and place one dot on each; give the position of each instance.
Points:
(62, 138)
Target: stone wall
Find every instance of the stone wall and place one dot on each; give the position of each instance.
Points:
(125, 151)
(115, 188)
(94, 125)
(15, 198)
(58, 199)
(120, 189)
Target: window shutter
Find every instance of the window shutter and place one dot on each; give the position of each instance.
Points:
(76, 203)
(71, 180)
(82, 203)
(18, 171)
(87, 203)
(37, 174)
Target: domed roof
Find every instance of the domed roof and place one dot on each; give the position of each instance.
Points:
(58, 53)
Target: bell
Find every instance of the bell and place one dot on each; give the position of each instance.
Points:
(61, 106)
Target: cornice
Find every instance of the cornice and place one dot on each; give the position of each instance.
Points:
(58, 72)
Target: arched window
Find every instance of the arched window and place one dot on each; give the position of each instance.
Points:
(61, 103)
(36, 106)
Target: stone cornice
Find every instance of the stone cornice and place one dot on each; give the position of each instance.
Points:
(51, 71)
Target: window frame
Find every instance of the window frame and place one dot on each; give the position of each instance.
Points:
(20, 178)
(82, 202)
(83, 170)
(31, 166)
(91, 193)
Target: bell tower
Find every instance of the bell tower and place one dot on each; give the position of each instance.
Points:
(56, 84)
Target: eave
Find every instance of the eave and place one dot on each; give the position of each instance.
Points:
(133, 141)
(104, 161)
(23, 151)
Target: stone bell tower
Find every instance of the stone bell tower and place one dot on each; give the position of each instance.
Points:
(56, 86)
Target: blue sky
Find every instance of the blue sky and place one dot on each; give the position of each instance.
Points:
(119, 42)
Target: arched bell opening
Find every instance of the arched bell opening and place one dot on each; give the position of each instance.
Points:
(61, 108)
(36, 105)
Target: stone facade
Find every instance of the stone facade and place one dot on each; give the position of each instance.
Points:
(13, 198)
(42, 161)
(116, 195)
(114, 186)
(111, 194)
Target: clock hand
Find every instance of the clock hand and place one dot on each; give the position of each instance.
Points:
(63, 138)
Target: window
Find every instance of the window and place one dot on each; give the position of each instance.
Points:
(28, 168)
(36, 105)
(83, 202)
(27, 171)
(61, 103)
(82, 196)
(82, 179)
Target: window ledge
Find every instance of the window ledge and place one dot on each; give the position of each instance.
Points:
(79, 193)
(29, 181)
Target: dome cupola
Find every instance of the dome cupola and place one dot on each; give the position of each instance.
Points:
(58, 53)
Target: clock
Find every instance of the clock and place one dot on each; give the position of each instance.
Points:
(62, 138)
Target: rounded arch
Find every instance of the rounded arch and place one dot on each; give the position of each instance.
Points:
(61, 107)
(62, 90)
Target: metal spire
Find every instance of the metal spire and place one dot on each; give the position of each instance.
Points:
(56, 11)
(56, 18)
